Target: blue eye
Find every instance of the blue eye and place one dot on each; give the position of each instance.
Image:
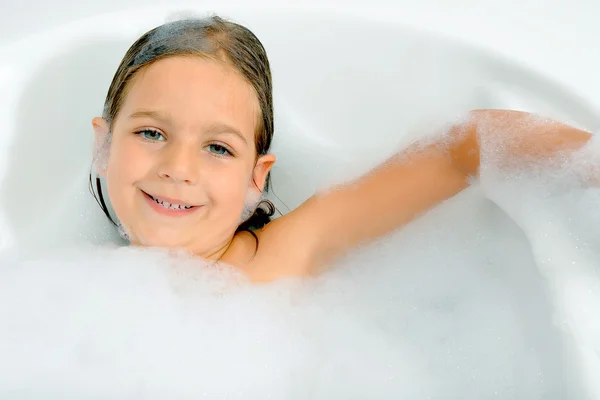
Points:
(152, 135)
(218, 149)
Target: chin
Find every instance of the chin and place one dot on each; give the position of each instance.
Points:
(162, 238)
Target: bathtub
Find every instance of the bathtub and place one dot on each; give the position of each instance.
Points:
(351, 86)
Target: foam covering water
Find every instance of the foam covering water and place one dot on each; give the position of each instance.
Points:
(463, 303)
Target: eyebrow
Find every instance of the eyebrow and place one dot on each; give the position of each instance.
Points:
(214, 128)
(220, 128)
(159, 116)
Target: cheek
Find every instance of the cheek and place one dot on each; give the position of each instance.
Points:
(127, 161)
(230, 187)
(126, 165)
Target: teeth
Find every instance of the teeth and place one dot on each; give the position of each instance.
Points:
(170, 206)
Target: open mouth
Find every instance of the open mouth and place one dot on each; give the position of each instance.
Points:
(169, 206)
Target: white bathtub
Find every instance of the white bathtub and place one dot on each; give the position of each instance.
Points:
(350, 84)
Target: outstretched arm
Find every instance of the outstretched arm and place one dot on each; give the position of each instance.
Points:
(405, 186)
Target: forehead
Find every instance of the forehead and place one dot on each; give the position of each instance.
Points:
(195, 91)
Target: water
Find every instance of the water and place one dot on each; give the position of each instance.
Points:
(478, 299)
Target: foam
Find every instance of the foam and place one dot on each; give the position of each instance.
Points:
(462, 303)
(557, 204)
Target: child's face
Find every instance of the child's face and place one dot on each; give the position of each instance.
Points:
(185, 135)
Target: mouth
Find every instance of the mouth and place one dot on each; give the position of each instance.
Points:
(169, 206)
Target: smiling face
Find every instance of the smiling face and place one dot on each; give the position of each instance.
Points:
(182, 162)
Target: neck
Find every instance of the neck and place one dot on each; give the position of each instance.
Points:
(214, 254)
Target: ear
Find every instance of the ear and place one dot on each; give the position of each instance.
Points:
(100, 152)
(261, 171)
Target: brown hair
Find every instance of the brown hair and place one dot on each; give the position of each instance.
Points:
(212, 38)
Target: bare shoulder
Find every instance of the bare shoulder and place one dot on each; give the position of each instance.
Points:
(282, 248)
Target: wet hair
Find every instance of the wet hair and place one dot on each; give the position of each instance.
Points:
(210, 38)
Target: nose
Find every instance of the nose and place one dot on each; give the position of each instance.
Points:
(179, 163)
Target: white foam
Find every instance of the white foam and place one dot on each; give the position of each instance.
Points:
(558, 208)
(452, 306)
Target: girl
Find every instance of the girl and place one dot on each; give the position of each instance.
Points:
(184, 142)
